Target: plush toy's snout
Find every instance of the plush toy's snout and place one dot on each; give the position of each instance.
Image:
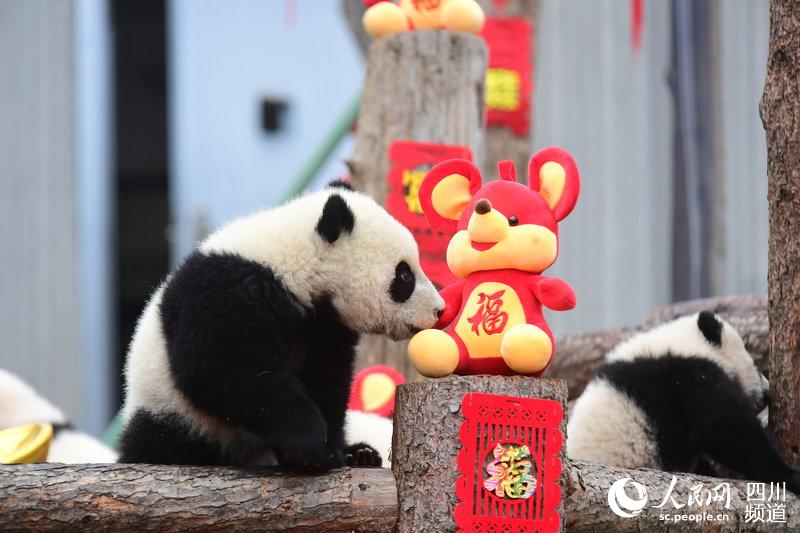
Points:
(487, 225)
(483, 206)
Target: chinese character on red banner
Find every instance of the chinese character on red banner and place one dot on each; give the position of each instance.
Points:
(508, 80)
(410, 161)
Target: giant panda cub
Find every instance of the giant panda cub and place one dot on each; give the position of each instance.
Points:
(682, 397)
(244, 355)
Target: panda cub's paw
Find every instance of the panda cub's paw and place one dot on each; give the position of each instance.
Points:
(305, 450)
(310, 459)
(362, 455)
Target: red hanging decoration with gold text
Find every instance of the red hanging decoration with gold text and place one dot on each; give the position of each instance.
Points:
(410, 161)
(508, 80)
(510, 464)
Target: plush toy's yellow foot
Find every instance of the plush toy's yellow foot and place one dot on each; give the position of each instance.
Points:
(526, 349)
(433, 353)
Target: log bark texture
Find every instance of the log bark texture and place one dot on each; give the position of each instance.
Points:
(780, 109)
(588, 509)
(426, 425)
(422, 85)
(63, 498)
(579, 355)
(68, 498)
(501, 142)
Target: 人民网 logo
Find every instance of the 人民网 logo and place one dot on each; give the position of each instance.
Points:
(622, 504)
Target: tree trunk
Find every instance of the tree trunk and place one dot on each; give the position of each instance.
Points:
(588, 510)
(501, 142)
(579, 355)
(426, 440)
(422, 85)
(780, 109)
(61, 498)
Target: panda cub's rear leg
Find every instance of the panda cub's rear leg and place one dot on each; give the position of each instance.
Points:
(164, 438)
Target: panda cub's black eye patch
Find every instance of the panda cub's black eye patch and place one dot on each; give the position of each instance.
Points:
(402, 285)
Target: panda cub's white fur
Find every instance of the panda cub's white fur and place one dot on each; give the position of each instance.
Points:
(371, 429)
(677, 398)
(21, 404)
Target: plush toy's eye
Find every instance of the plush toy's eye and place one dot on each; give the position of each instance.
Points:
(513, 220)
(403, 283)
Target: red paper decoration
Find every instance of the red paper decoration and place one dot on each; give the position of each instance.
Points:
(637, 19)
(510, 465)
(508, 80)
(410, 161)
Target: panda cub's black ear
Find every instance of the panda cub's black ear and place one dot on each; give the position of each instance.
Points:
(711, 327)
(341, 184)
(336, 218)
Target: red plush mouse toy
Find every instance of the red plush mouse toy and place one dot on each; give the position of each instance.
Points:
(506, 235)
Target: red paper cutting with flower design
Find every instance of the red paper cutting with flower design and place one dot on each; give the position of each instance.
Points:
(510, 465)
(508, 79)
(410, 161)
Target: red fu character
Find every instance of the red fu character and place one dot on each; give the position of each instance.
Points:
(505, 236)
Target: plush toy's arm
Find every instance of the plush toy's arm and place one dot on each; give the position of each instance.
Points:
(554, 293)
(452, 295)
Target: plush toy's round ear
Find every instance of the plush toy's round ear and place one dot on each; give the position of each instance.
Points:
(553, 173)
(446, 191)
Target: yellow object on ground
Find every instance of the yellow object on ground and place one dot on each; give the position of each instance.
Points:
(28, 443)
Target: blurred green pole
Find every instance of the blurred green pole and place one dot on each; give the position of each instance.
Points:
(324, 151)
(111, 435)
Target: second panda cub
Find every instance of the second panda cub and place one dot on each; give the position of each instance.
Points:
(244, 355)
(683, 397)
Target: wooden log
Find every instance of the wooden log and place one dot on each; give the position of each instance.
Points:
(780, 107)
(422, 85)
(579, 355)
(50, 497)
(730, 307)
(425, 443)
(167, 498)
(588, 510)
